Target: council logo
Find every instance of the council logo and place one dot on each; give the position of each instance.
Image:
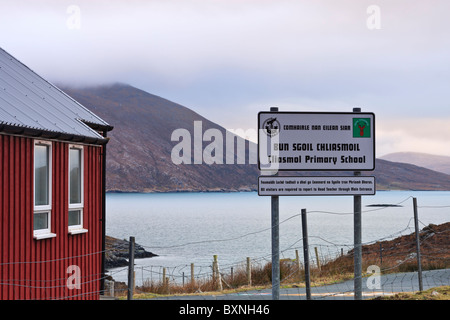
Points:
(271, 127)
(361, 128)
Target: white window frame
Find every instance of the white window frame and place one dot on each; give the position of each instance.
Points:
(43, 233)
(76, 229)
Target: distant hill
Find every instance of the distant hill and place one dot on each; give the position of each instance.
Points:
(430, 161)
(139, 152)
(404, 176)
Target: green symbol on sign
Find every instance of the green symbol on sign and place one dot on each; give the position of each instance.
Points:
(361, 128)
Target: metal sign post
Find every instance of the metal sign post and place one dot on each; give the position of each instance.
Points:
(275, 248)
(357, 226)
(306, 254)
(275, 242)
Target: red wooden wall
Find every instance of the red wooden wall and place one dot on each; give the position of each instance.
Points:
(38, 269)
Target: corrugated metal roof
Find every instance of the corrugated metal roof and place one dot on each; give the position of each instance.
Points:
(30, 102)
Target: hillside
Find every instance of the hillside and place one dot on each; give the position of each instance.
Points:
(139, 152)
(399, 254)
(429, 161)
(403, 176)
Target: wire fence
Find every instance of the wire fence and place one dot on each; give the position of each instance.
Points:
(390, 266)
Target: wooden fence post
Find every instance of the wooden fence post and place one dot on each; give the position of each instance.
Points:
(164, 277)
(232, 275)
(381, 254)
(317, 258)
(192, 274)
(216, 274)
(297, 258)
(249, 272)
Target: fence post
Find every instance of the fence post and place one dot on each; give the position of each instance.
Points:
(317, 259)
(306, 255)
(416, 226)
(109, 287)
(249, 272)
(164, 278)
(381, 254)
(165, 281)
(214, 270)
(297, 258)
(131, 270)
(216, 274)
(192, 274)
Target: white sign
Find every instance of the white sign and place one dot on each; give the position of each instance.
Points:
(315, 186)
(316, 141)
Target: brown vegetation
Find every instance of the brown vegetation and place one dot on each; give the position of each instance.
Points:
(397, 255)
(400, 254)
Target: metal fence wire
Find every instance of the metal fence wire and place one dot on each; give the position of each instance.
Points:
(397, 263)
(405, 261)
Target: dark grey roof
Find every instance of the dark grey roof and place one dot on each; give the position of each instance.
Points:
(30, 105)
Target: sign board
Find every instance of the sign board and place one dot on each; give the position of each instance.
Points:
(315, 186)
(297, 141)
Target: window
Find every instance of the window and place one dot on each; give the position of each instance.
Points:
(42, 190)
(76, 189)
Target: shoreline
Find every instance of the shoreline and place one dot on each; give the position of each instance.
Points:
(117, 252)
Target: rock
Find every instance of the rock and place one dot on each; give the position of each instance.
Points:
(117, 252)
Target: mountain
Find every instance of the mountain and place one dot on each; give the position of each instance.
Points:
(433, 162)
(404, 176)
(140, 148)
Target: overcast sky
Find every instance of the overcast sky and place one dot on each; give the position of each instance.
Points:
(230, 59)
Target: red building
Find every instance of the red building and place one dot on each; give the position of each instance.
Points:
(52, 171)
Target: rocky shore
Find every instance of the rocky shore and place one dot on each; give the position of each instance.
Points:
(117, 252)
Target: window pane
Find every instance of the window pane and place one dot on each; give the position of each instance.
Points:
(75, 175)
(41, 175)
(74, 217)
(41, 220)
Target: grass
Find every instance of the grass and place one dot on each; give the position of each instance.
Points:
(438, 293)
(338, 270)
(398, 255)
(261, 279)
(335, 271)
